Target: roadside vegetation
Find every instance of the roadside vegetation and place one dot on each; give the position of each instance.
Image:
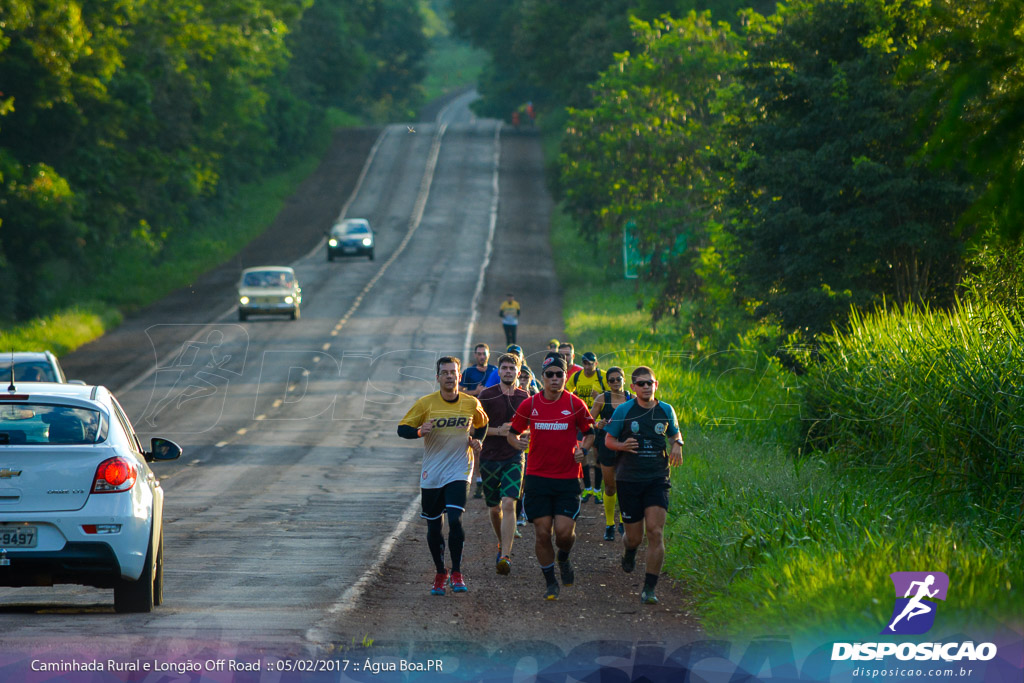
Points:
(772, 529)
(815, 199)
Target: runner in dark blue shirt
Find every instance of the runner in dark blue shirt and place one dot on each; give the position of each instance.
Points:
(475, 377)
(645, 433)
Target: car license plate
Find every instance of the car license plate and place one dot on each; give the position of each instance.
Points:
(18, 536)
(349, 250)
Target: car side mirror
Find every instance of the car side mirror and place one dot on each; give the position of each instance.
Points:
(163, 449)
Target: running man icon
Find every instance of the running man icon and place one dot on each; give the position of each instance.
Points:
(923, 585)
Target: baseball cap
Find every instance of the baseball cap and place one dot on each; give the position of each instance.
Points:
(552, 341)
(553, 360)
(516, 349)
(589, 357)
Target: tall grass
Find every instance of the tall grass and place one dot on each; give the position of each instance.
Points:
(61, 332)
(934, 398)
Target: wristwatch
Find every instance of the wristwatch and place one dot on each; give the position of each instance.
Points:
(679, 441)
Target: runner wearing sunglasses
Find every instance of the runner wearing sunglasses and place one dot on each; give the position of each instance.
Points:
(651, 445)
(551, 497)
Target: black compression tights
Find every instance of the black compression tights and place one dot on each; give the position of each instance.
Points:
(435, 541)
(456, 539)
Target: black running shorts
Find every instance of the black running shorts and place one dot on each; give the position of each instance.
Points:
(546, 497)
(436, 501)
(501, 479)
(606, 456)
(637, 496)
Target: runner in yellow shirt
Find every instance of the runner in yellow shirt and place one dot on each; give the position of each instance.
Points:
(452, 426)
(509, 314)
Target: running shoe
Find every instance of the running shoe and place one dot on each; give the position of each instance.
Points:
(440, 579)
(598, 497)
(609, 532)
(457, 583)
(647, 597)
(517, 533)
(552, 591)
(478, 492)
(622, 529)
(629, 560)
(585, 494)
(521, 521)
(567, 572)
(504, 565)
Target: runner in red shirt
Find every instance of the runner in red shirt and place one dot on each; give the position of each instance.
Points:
(551, 497)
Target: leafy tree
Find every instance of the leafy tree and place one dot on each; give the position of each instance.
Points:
(975, 49)
(648, 150)
(832, 206)
(547, 52)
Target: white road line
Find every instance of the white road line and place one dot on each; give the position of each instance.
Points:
(320, 633)
(492, 223)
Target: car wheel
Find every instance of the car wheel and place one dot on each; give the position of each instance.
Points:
(137, 596)
(371, 254)
(242, 316)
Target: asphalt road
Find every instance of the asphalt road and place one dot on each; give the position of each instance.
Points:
(293, 481)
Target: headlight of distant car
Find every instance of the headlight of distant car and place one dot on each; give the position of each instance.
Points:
(367, 241)
(289, 299)
(333, 242)
(243, 300)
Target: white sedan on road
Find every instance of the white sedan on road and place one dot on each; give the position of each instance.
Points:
(78, 501)
(269, 290)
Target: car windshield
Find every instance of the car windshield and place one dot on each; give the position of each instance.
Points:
(268, 278)
(28, 371)
(351, 229)
(39, 423)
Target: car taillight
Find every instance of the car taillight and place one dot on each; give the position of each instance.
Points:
(114, 475)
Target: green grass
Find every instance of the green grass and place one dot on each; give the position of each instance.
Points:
(62, 331)
(767, 543)
(769, 538)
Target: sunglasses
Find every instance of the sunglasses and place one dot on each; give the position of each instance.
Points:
(614, 379)
(554, 373)
(645, 382)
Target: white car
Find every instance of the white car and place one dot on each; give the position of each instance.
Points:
(78, 501)
(269, 290)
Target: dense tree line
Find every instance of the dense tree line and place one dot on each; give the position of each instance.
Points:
(782, 161)
(123, 121)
